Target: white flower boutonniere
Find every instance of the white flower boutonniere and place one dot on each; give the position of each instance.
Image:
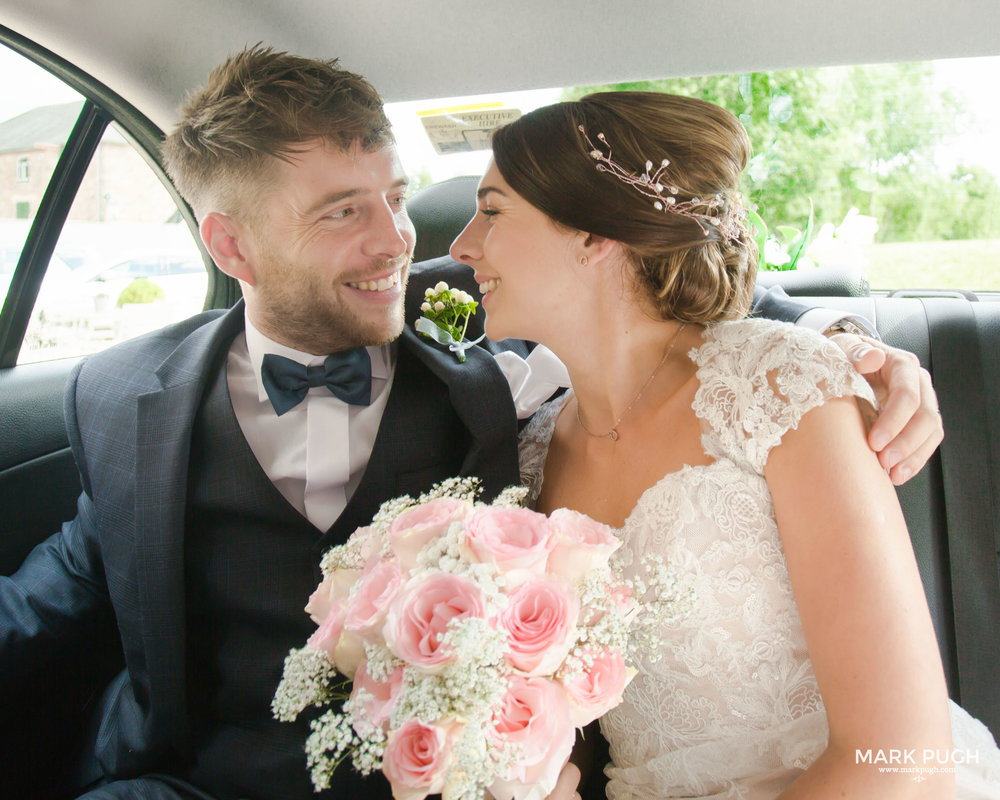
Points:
(446, 314)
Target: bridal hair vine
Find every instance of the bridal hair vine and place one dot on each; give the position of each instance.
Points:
(726, 219)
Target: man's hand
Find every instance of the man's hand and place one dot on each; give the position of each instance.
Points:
(908, 428)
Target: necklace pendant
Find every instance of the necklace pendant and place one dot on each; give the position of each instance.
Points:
(613, 435)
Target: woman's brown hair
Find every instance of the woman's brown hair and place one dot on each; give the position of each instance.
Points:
(691, 270)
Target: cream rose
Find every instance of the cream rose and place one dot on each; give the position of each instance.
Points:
(581, 544)
(344, 647)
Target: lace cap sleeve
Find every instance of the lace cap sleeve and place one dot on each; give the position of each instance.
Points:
(757, 380)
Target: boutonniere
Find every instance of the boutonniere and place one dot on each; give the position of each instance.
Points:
(446, 314)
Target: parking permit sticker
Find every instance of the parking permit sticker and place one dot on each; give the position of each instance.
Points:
(465, 128)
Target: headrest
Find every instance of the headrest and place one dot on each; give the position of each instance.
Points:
(440, 212)
(827, 281)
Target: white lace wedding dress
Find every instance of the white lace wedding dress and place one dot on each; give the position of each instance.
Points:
(732, 710)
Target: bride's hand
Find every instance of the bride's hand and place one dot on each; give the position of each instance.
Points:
(567, 785)
(909, 427)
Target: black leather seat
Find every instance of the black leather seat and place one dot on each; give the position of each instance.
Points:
(952, 507)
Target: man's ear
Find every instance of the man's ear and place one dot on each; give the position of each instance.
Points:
(228, 242)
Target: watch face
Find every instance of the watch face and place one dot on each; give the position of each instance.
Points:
(846, 326)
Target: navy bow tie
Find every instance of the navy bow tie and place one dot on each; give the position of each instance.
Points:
(348, 375)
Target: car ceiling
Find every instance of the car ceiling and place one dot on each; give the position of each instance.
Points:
(151, 53)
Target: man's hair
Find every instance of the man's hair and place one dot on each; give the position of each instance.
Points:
(260, 104)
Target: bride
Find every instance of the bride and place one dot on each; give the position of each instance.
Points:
(610, 230)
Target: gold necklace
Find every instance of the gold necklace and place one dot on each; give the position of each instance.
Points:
(613, 433)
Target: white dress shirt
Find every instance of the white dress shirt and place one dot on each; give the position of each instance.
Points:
(315, 453)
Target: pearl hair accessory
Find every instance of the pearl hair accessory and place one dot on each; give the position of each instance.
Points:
(727, 219)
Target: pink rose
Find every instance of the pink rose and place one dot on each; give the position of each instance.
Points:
(535, 717)
(599, 688)
(379, 707)
(418, 618)
(378, 587)
(510, 538)
(581, 544)
(413, 529)
(330, 593)
(344, 647)
(416, 760)
(540, 621)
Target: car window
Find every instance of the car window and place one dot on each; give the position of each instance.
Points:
(125, 262)
(892, 169)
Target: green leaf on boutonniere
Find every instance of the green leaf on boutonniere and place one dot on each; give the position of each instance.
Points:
(446, 314)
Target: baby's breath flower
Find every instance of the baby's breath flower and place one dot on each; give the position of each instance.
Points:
(512, 496)
(331, 740)
(391, 509)
(467, 488)
(380, 661)
(308, 679)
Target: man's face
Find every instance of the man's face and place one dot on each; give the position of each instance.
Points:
(330, 250)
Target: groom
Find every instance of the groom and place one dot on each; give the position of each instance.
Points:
(216, 464)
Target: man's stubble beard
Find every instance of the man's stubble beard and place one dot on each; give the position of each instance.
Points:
(301, 311)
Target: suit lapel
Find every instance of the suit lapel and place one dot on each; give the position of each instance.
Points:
(163, 438)
(481, 397)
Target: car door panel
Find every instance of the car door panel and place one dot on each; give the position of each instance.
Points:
(39, 482)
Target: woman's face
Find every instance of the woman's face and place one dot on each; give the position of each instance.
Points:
(526, 265)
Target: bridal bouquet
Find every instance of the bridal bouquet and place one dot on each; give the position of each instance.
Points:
(466, 642)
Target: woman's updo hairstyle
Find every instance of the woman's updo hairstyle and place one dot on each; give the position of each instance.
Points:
(688, 275)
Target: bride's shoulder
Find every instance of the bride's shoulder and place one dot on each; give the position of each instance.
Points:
(754, 346)
(759, 377)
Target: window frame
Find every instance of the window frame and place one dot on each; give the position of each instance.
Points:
(102, 107)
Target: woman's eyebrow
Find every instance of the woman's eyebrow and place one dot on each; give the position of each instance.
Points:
(485, 190)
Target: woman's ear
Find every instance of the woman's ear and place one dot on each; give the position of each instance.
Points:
(227, 242)
(596, 248)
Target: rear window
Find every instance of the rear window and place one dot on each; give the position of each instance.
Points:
(891, 168)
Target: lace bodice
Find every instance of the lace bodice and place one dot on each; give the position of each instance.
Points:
(732, 709)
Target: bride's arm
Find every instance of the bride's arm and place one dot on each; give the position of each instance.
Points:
(863, 610)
